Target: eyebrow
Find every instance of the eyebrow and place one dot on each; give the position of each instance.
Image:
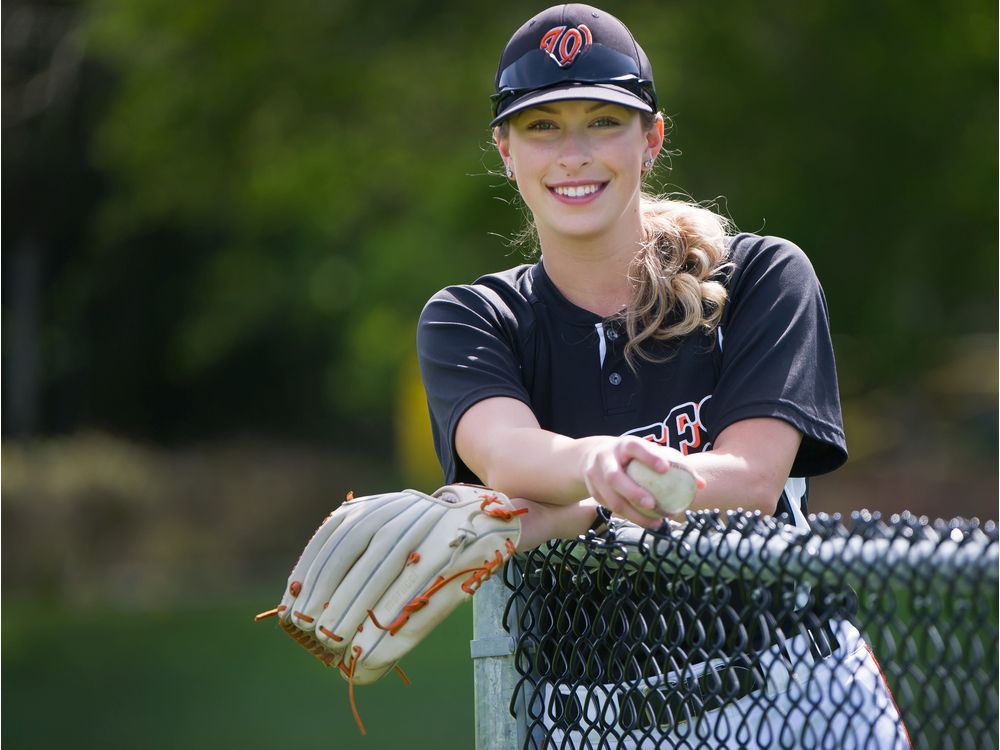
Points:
(551, 111)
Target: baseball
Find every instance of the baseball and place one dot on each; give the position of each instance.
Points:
(673, 490)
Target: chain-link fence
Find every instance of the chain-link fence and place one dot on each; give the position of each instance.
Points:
(733, 630)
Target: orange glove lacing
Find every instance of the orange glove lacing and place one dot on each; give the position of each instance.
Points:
(505, 515)
(470, 586)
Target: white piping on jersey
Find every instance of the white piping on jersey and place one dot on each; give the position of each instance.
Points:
(795, 488)
(718, 332)
(602, 345)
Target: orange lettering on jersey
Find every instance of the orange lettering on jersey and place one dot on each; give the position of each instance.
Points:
(681, 429)
(689, 432)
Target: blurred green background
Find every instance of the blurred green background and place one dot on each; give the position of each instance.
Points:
(221, 220)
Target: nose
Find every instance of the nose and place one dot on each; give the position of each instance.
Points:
(574, 152)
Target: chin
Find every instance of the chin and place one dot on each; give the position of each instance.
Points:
(582, 228)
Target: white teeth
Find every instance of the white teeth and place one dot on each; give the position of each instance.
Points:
(577, 191)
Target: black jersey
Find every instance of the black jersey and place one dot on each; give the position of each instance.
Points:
(514, 334)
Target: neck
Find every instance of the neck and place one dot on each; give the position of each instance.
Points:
(592, 272)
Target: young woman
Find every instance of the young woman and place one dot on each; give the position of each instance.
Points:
(645, 332)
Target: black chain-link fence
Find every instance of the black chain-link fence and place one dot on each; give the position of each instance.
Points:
(733, 630)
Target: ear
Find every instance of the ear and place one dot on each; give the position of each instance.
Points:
(503, 144)
(654, 138)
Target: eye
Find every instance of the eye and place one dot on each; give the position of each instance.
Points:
(606, 122)
(541, 125)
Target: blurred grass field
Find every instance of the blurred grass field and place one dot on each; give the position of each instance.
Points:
(208, 676)
(131, 577)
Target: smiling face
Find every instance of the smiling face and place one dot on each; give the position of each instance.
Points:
(578, 166)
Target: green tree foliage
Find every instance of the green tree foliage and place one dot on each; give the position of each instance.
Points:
(325, 172)
(866, 133)
(287, 182)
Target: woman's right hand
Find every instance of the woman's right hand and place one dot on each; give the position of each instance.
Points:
(603, 468)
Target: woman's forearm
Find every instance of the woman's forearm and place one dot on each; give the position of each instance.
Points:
(544, 522)
(732, 482)
(537, 464)
(748, 466)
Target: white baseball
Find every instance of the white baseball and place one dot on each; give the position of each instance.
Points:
(673, 490)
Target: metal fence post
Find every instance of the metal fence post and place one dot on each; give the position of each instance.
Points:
(493, 670)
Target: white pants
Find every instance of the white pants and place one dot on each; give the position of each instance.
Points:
(838, 703)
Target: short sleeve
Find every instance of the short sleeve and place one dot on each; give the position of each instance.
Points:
(776, 353)
(467, 344)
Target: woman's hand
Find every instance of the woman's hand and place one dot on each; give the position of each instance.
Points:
(608, 483)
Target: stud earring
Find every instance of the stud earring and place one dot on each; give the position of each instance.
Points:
(508, 171)
(648, 164)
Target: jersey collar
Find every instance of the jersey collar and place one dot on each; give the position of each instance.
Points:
(552, 298)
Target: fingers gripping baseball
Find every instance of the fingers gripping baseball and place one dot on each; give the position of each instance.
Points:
(639, 480)
(382, 571)
(607, 481)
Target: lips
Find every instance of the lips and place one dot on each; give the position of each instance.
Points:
(577, 192)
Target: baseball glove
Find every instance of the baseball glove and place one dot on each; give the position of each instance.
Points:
(382, 571)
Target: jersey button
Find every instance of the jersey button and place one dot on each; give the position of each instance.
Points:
(612, 334)
(615, 379)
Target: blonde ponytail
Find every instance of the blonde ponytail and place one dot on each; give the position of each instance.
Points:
(673, 289)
